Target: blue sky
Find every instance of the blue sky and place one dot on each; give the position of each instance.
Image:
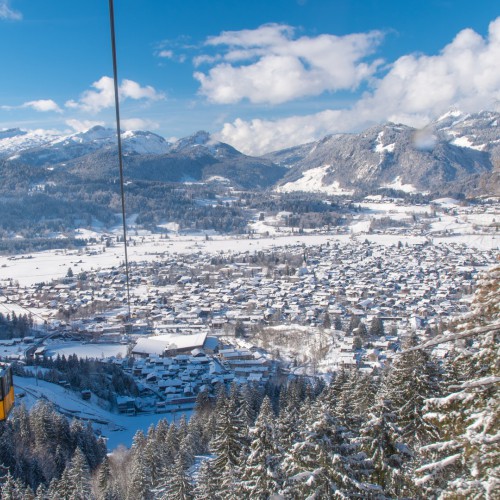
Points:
(260, 75)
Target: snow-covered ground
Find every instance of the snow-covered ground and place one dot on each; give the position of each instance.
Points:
(119, 429)
(146, 247)
(312, 180)
(96, 351)
(44, 266)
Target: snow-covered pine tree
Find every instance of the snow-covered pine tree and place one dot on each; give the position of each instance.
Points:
(77, 477)
(139, 484)
(325, 463)
(364, 389)
(412, 378)
(151, 456)
(177, 483)
(84, 438)
(9, 488)
(465, 462)
(103, 477)
(138, 477)
(376, 327)
(161, 430)
(287, 427)
(261, 476)
(206, 482)
(41, 492)
(381, 440)
(227, 446)
(169, 449)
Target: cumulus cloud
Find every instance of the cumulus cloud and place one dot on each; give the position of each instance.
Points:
(6, 12)
(270, 65)
(82, 125)
(139, 124)
(419, 87)
(415, 90)
(103, 96)
(43, 105)
(257, 136)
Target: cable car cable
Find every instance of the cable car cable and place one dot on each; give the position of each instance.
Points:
(119, 139)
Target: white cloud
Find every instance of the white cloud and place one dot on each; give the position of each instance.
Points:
(43, 105)
(132, 89)
(257, 136)
(166, 53)
(419, 87)
(82, 125)
(415, 90)
(7, 13)
(103, 96)
(269, 65)
(139, 124)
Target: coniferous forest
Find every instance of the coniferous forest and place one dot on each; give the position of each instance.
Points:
(423, 428)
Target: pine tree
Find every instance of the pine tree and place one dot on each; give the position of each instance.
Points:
(325, 462)
(227, 445)
(381, 440)
(327, 322)
(412, 378)
(77, 477)
(104, 476)
(9, 488)
(337, 323)
(261, 475)
(464, 462)
(364, 389)
(169, 449)
(377, 327)
(152, 461)
(206, 483)
(287, 428)
(140, 484)
(177, 482)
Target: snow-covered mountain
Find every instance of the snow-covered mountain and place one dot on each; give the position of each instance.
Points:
(457, 153)
(450, 154)
(43, 149)
(92, 155)
(479, 131)
(14, 140)
(201, 143)
(195, 158)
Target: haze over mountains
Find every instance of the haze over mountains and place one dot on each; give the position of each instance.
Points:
(456, 153)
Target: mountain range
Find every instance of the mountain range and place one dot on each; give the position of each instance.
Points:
(458, 153)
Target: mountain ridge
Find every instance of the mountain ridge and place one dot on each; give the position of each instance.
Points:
(457, 152)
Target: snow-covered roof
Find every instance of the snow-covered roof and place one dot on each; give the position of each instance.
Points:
(158, 343)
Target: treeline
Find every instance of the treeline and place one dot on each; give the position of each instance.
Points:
(105, 380)
(14, 326)
(44, 456)
(28, 244)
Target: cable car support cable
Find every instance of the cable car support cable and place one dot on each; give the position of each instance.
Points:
(119, 139)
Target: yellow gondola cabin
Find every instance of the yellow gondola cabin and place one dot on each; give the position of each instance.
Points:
(6, 391)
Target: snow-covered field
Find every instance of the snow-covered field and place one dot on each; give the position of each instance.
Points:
(96, 351)
(146, 247)
(44, 266)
